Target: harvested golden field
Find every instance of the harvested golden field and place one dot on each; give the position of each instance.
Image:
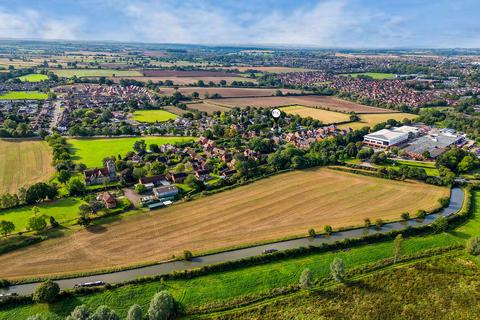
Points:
(207, 107)
(268, 69)
(22, 163)
(280, 206)
(226, 92)
(327, 117)
(371, 120)
(326, 102)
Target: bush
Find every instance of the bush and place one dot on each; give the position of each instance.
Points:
(312, 233)
(440, 225)
(378, 224)
(421, 214)
(135, 313)
(328, 229)
(162, 306)
(187, 255)
(46, 292)
(337, 269)
(405, 216)
(473, 246)
(306, 279)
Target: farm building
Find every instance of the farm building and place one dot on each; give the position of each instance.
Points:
(165, 191)
(385, 138)
(435, 143)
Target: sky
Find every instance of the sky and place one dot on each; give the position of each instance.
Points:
(318, 23)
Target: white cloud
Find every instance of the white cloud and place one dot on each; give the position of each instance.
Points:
(195, 22)
(32, 24)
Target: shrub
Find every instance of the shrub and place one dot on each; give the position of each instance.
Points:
(337, 269)
(135, 313)
(405, 216)
(328, 229)
(421, 214)
(46, 292)
(378, 224)
(445, 201)
(306, 279)
(187, 255)
(440, 225)
(473, 246)
(80, 313)
(312, 233)
(104, 313)
(367, 223)
(162, 306)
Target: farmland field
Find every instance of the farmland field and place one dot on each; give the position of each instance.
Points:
(92, 151)
(22, 163)
(69, 73)
(186, 80)
(371, 120)
(227, 92)
(327, 102)
(310, 199)
(374, 75)
(193, 73)
(63, 210)
(153, 116)
(327, 117)
(23, 95)
(34, 77)
(207, 107)
(268, 69)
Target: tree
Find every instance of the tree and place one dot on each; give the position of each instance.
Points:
(46, 292)
(397, 247)
(337, 269)
(6, 227)
(421, 214)
(79, 313)
(162, 306)
(328, 229)
(75, 186)
(63, 176)
(367, 223)
(306, 279)
(405, 216)
(37, 223)
(440, 225)
(378, 224)
(312, 233)
(140, 146)
(104, 313)
(36, 317)
(135, 313)
(187, 255)
(53, 222)
(140, 188)
(473, 246)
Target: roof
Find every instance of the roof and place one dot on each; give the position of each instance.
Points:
(108, 197)
(145, 180)
(164, 189)
(435, 144)
(386, 134)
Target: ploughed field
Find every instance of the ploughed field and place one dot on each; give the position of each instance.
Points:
(226, 92)
(325, 102)
(23, 163)
(284, 205)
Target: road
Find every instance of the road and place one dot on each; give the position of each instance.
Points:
(454, 206)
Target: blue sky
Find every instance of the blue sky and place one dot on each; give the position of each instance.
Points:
(321, 23)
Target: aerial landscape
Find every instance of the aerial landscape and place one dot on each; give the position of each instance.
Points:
(310, 159)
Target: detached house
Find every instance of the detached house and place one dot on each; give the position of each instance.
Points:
(100, 175)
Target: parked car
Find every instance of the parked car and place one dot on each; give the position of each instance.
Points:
(267, 251)
(89, 284)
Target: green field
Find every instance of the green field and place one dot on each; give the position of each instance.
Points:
(153, 116)
(429, 167)
(79, 73)
(223, 286)
(92, 151)
(374, 75)
(33, 77)
(64, 210)
(23, 95)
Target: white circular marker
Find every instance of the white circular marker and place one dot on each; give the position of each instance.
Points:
(276, 113)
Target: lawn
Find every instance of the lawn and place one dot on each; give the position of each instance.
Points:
(22, 163)
(23, 95)
(79, 73)
(374, 75)
(327, 117)
(223, 286)
(252, 213)
(64, 211)
(92, 151)
(370, 120)
(153, 116)
(34, 77)
(429, 167)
